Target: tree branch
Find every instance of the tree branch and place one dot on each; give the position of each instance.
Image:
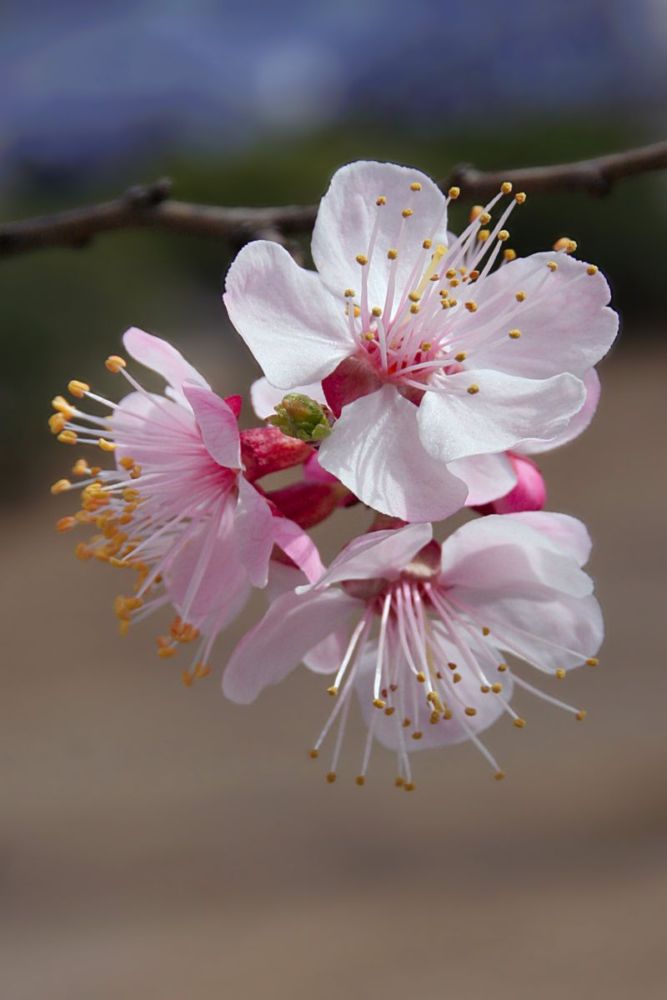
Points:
(150, 207)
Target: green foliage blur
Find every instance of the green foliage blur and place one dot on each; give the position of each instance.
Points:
(64, 310)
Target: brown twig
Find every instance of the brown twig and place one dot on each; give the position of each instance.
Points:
(150, 207)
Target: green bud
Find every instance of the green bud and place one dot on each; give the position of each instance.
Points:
(301, 417)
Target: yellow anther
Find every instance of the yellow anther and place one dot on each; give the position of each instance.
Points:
(520, 197)
(409, 786)
(509, 254)
(202, 670)
(472, 390)
(333, 690)
(60, 404)
(434, 717)
(362, 259)
(454, 193)
(552, 265)
(126, 462)
(483, 235)
(369, 335)
(187, 679)
(313, 754)
(427, 244)
(486, 631)
(376, 311)
(331, 777)
(65, 524)
(414, 309)
(399, 782)
(80, 468)
(471, 306)
(456, 677)
(389, 710)
(164, 652)
(381, 200)
(378, 703)
(484, 688)
(520, 296)
(447, 714)
(452, 666)
(360, 780)
(67, 437)
(78, 389)
(565, 245)
(514, 334)
(519, 723)
(57, 423)
(454, 283)
(114, 363)
(496, 688)
(471, 711)
(475, 212)
(407, 722)
(417, 735)
(83, 551)
(506, 187)
(392, 254)
(499, 775)
(591, 269)
(581, 715)
(356, 312)
(414, 296)
(484, 218)
(592, 661)
(504, 235)
(425, 345)
(415, 186)
(406, 213)
(106, 445)
(461, 356)
(349, 293)
(474, 275)
(61, 486)
(123, 627)
(451, 273)
(560, 674)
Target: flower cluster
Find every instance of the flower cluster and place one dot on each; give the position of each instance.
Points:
(414, 371)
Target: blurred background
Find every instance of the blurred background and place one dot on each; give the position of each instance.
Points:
(160, 842)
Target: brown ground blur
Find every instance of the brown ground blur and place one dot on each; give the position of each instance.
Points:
(158, 842)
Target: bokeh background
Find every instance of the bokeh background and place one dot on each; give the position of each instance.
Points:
(160, 842)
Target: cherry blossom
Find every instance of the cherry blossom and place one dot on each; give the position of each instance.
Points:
(421, 633)
(428, 352)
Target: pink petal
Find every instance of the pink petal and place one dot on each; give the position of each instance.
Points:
(577, 424)
(155, 353)
(254, 532)
(347, 217)
(566, 533)
(377, 554)
(486, 476)
(292, 626)
(504, 411)
(143, 422)
(327, 656)
(218, 425)
(564, 321)
(265, 397)
(291, 323)
(299, 546)
(529, 493)
(375, 450)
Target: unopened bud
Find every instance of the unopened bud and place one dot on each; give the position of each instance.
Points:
(301, 417)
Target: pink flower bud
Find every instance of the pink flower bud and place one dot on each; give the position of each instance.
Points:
(530, 492)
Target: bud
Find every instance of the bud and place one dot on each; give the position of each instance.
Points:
(301, 417)
(530, 492)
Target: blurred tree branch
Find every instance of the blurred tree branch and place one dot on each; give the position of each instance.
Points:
(151, 207)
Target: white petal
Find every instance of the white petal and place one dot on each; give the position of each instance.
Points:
(327, 656)
(377, 554)
(375, 451)
(218, 425)
(503, 553)
(347, 216)
(265, 397)
(577, 424)
(563, 532)
(292, 626)
(486, 476)
(161, 357)
(295, 328)
(564, 321)
(504, 410)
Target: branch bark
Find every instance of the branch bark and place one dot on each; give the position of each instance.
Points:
(150, 207)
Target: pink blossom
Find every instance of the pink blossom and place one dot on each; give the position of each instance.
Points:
(181, 506)
(422, 633)
(427, 352)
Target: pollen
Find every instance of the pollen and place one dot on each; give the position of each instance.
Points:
(114, 363)
(591, 269)
(67, 437)
(60, 404)
(57, 423)
(414, 309)
(504, 235)
(421, 677)
(362, 259)
(520, 197)
(506, 187)
(471, 306)
(349, 293)
(454, 193)
(483, 235)
(61, 486)
(514, 334)
(427, 244)
(313, 754)
(461, 356)
(552, 265)
(406, 213)
(475, 212)
(65, 524)
(414, 296)
(417, 735)
(392, 254)
(333, 690)
(471, 712)
(560, 674)
(378, 703)
(425, 345)
(486, 631)
(381, 200)
(592, 661)
(519, 723)
(580, 715)
(106, 445)
(499, 775)
(565, 245)
(509, 254)
(415, 186)
(472, 390)
(376, 311)
(331, 777)
(520, 296)
(78, 389)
